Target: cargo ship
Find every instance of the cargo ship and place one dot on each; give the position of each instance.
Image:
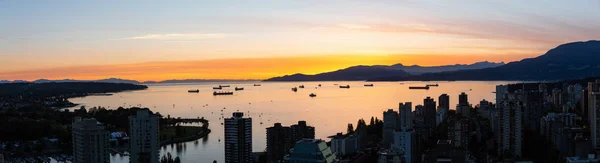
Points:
(239, 89)
(193, 91)
(223, 85)
(344, 86)
(219, 87)
(418, 87)
(433, 85)
(256, 84)
(368, 85)
(215, 93)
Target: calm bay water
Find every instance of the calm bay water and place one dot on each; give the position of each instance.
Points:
(329, 112)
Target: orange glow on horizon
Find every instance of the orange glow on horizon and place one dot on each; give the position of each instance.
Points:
(244, 68)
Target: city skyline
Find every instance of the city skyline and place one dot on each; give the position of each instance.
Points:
(159, 41)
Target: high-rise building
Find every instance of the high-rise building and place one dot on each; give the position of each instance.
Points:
(458, 132)
(405, 140)
(144, 141)
(557, 97)
(278, 143)
(311, 151)
(594, 113)
(444, 101)
(389, 126)
(430, 112)
(512, 128)
(301, 131)
(463, 107)
(238, 139)
(90, 141)
(405, 118)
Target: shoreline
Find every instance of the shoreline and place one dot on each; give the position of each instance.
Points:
(186, 139)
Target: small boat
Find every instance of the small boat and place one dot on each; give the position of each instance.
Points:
(223, 85)
(418, 87)
(295, 89)
(215, 93)
(401, 83)
(239, 89)
(335, 84)
(193, 91)
(302, 86)
(433, 85)
(313, 95)
(256, 84)
(368, 85)
(344, 86)
(319, 85)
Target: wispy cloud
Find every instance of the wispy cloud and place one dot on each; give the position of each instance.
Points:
(354, 26)
(180, 36)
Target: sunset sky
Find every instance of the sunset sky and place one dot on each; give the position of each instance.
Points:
(159, 40)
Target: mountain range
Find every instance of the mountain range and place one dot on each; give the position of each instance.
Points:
(574, 60)
(379, 71)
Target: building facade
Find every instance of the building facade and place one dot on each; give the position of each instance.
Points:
(278, 143)
(405, 141)
(238, 139)
(90, 141)
(144, 143)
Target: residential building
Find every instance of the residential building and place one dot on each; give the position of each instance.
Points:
(278, 143)
(405, 118)
(463, 107)
(344, 145)
(405, 140)
(458, 132)
(143, 137)
(444, 102)
(389, 126)
(90, 141)
(511, 138)
(238, 139)
(594, 113)
(301, 131)
(311, 151)
(429, 112)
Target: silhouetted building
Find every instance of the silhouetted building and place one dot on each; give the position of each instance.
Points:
(389, 126)
(302, 131)
(430, 112)
(405, 118)
(238, 139)
(144, 141)
(311, 151)
(278, 143)
(463, 107)
(444, 102)
(344, 145)
(90, 141)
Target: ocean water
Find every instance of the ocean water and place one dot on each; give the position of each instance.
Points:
(329, 112)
